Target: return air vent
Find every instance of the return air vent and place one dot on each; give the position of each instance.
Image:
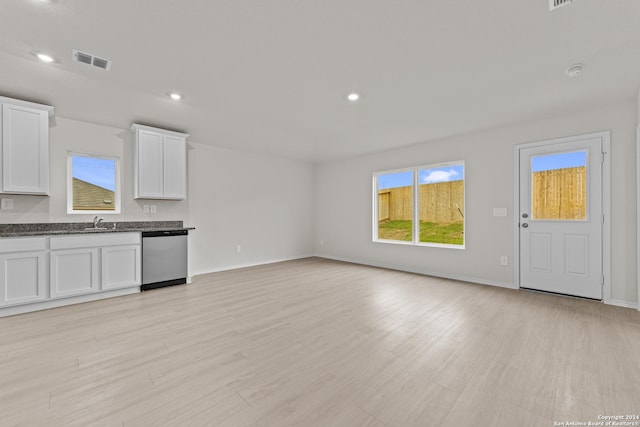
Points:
(554, 4)
(90, 59)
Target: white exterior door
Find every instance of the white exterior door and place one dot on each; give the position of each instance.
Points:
(561, 216)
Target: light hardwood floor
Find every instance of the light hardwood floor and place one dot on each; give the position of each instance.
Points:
(315, 342)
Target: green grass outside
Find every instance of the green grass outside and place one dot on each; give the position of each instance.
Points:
(450, 233)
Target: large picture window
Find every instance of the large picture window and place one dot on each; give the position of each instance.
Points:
(420, 205)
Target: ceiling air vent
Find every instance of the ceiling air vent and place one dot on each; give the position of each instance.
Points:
(90, 59)
(554, 4)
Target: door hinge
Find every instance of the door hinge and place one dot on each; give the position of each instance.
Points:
(603, 153)
(602, 280)
(602, 218)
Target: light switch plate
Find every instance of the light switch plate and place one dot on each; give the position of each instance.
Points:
(6, 204)
(499, 211)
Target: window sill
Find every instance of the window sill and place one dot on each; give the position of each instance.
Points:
(426, 245)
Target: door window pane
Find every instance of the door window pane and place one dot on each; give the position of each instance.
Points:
(441, 204)
(559, 186)
(395, 206)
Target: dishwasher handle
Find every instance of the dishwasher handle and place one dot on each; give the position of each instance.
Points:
(165, 233)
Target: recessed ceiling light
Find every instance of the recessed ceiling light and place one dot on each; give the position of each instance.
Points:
(44, 57)
(574, 70)
(353, 97)
(175, 96)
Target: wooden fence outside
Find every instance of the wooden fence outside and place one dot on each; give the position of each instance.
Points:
(438, 202)
(559, 194)
(556, 194)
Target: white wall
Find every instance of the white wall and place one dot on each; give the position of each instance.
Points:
(262, 202)
(344, 200)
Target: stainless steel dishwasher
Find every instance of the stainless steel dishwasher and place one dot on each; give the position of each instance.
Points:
(164, 258)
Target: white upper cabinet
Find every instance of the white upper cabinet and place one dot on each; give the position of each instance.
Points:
(175, 167)
(150, 174)
(25, 147)
(160, 163)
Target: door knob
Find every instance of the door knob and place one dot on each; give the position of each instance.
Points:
(525, 225)
(525, 215)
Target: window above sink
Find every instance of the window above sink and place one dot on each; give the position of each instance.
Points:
(93, 184)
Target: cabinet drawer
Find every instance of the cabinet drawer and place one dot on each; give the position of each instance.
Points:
(22, 244)
(94, 240)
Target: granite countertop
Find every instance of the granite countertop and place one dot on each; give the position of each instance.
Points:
(48, 229)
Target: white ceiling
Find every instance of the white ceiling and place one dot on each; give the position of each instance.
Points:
(271, 76)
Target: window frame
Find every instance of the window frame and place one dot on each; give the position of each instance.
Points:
(117, 188)
(415, 238)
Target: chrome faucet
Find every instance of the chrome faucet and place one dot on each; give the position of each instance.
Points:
(97, 220)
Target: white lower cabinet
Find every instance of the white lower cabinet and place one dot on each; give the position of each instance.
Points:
(45, 272)
(23, 277)
(74, 272)
(87, 263)
(121, 266)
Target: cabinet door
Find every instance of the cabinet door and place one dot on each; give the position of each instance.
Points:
(149, 176)
(25, 150)
(22, 278)
(120, 266)
(74, 272)
(175, 168)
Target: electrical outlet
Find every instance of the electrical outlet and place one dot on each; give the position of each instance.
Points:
(6, 204)
(238, 249)
(153, 209)
(504, 260)
(145, 208)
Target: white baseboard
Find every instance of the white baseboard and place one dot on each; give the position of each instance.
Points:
(625, 304)
(425, 272)
(238, 266)
(43, 305)
(618, 303)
